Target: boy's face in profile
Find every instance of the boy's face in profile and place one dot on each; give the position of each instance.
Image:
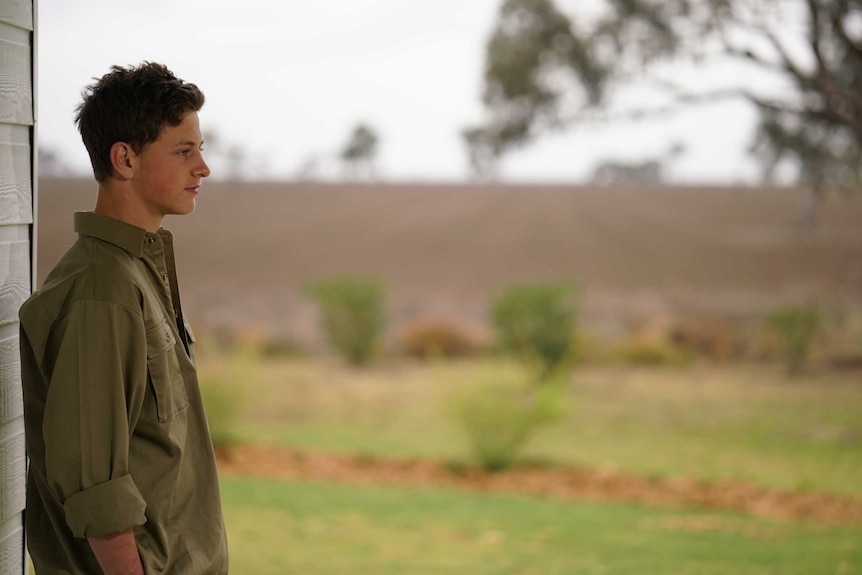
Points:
(169, 170)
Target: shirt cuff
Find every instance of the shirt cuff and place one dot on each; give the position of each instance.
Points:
(112, 507)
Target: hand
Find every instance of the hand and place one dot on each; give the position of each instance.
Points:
(117, 553)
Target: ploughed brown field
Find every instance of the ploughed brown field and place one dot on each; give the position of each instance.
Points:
(444, 249)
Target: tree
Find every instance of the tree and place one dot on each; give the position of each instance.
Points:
(360, 151)
(51, 163)
(230, 159)
(546, 71)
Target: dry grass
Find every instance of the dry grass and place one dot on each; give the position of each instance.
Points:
(741, 422)
(434, 337)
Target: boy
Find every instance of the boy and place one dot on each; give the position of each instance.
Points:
(122, 476)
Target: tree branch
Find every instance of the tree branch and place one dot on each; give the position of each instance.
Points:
(651, 113)
(787, 62)
(814, 31)
(821, 115)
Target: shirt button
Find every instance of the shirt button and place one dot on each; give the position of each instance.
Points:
(151, 240)
(165, 278)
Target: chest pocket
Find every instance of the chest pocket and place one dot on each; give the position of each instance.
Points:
(164, 372)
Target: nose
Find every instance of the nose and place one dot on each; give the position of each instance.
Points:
(203, 169)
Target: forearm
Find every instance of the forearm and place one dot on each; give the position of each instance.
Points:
(117, 553)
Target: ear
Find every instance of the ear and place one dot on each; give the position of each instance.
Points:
(122, 159)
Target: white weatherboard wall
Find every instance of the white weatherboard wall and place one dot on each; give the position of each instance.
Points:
(17, 208)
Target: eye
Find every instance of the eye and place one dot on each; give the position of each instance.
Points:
(184, 152)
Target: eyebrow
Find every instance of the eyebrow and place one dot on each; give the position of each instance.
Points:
(188, 143)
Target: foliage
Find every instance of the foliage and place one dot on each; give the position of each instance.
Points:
(648, 351)
(796, 326)
(352, 314)
(500, 413)
(843, 337)
(546, 69)
(715, 422)
(709, 337)
(360, 148)
(439, 338)
(223, 395)
(537, 322)
(280, 346)
(221, 408)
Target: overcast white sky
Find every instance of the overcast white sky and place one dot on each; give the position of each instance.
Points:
(287, 80)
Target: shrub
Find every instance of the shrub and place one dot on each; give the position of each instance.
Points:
(220, 403)
(499, 414)
(795, 326)
(651, 351)
(439, 338)
(280, 346)
(537, 322)
(709, 337)
(352, 314)
(223, 398)
(840, 336)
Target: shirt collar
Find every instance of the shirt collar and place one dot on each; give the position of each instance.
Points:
(130, 238)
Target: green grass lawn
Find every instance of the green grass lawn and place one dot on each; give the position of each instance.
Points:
(746, 422)
(311, 528)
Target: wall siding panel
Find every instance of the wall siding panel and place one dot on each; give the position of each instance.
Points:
(11, 398)
(17, 13)
(15, 184)
(17, 230)
(13, 475)
(11, 552)
(16, 83)
(15, 271)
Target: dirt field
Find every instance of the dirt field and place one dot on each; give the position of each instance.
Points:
(444, 249)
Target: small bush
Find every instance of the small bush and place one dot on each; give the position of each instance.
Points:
(537, 322)
(840, 337)
(795, 327)
(708, 337)
(280, 346)
(647, 351)
(223, 397)
(352, 314)
(438, 338)
(221, 409)
(499, 415)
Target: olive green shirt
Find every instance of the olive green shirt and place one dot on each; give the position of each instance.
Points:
(115, 427)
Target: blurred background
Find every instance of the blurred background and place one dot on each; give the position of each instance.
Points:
(571, 250)
(287, 82)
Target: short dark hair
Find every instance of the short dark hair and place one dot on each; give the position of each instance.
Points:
(131, 105)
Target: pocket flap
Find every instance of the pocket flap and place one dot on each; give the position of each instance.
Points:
(189, 331)
(160, 339)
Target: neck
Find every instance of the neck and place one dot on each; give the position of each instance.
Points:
(116, 201)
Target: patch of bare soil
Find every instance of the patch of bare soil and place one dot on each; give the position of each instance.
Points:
(443, 250)
(565, 483)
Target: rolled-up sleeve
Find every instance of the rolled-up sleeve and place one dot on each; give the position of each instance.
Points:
(95, 394)
(108, 508)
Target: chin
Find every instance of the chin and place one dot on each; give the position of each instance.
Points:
(187, 209)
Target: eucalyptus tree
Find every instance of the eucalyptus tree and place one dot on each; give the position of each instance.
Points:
(360, 150)
(549, 67)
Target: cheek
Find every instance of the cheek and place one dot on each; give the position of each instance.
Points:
(162, 183)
